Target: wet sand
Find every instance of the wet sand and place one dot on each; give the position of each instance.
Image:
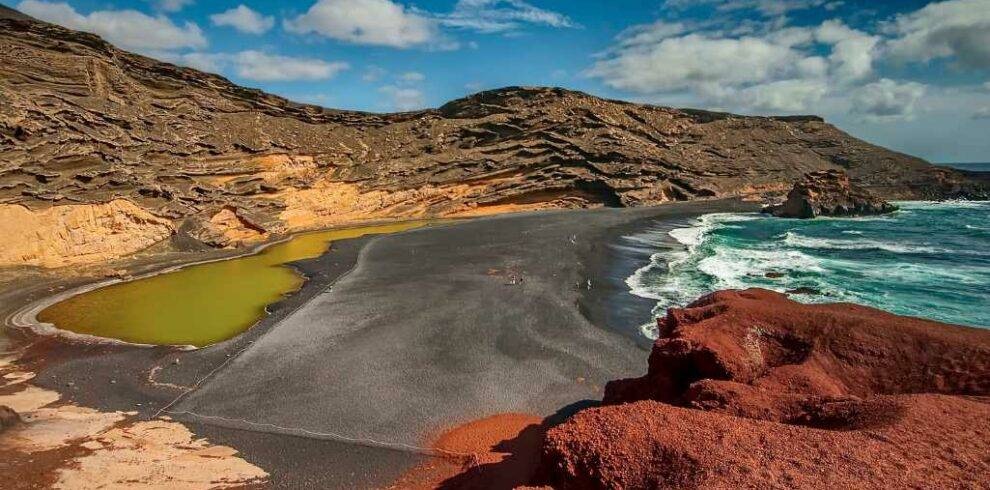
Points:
(395, 338)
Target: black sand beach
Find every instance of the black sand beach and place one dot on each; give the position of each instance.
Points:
(397, 337)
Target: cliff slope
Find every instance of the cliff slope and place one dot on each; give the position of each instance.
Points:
(84, 123)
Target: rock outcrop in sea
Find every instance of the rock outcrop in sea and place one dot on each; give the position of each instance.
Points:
(751, 389)
(829, 193)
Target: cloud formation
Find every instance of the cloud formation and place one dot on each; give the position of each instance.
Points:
(958, 30)
(404, 98)
(244, 19)
(490, 16)
(769, 67)
(128, 29)
(172, 5)
(886, 99)
(263, 67)
(767, 8)
(374, 22)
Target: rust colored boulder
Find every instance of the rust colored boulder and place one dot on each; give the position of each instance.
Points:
(757, 353)
(829, 193)
(749, 388)
(934, 441)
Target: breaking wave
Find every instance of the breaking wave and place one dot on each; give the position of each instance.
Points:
(929, 259)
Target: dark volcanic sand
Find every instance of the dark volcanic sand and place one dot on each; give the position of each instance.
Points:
(432, 328)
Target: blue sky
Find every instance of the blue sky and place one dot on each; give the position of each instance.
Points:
(911, 75)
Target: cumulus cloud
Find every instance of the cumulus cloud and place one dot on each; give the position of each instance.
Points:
(404, 98)
(374, 22)
(788, 69)
(685, 62)
(500, 16)
(785, 95)
(853, 51)
(956, 29)
(887, 99)
(263, 67)
(172, 5)
(128, 29)
(244, 19)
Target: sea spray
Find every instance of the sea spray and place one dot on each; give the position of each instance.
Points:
(929, 259)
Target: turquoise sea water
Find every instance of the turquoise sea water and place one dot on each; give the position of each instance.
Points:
(928, 260)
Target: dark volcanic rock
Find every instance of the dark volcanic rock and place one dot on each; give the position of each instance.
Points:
(749, 388)
(8, 418)
(829, 193)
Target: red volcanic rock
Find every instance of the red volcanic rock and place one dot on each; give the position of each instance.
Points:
(935, 441)
(829, 193)
(756, 353)
(762, 391)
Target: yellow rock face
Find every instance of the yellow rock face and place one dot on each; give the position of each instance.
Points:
(77, 234)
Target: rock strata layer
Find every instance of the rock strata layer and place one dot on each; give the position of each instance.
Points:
(82, 122)
(829, 193)
(748, 388)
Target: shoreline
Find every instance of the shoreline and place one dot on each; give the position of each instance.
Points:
(564, 325)
(25, 317)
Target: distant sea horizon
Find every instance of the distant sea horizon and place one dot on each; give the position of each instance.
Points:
(977, 166)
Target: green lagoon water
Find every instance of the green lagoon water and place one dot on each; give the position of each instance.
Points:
(201, 304)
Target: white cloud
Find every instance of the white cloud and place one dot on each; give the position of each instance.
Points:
(767, 8)
(686, 62)
(412, 76)
(785, 95)
(128, 29)
(886, 99)
(263, 67)
(852, 51)
(955, 29)
(255, 65)
(244, 19)
(375, 22)
(172, 5)
(404, 98)
(788, 69)
(982, 113)
(501, 15)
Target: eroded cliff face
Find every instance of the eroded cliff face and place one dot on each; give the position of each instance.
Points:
(59, 236)
(84, 122)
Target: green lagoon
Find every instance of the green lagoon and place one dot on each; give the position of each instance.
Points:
(201, 304)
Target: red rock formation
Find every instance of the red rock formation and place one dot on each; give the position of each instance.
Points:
(776, 393)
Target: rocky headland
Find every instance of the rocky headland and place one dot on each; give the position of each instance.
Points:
(829, 193)
(751, 389)
(182, 158)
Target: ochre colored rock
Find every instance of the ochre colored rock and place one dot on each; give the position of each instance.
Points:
(750, 388)
(829, 193)
(77, 234)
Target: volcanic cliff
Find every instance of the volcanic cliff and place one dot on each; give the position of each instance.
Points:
(128, 145)
(749, 389)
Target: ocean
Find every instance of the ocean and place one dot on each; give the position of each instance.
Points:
(928, 260)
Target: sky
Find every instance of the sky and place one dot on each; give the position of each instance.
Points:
(910, 75)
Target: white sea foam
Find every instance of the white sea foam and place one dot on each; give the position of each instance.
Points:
(797, 240)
